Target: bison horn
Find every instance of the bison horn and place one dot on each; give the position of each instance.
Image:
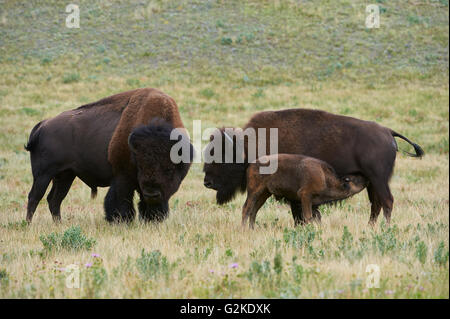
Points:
(130, 143)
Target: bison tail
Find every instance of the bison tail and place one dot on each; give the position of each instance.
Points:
(93, 192)
(419, 151)
(34, 138)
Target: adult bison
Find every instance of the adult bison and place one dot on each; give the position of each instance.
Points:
(349, 145)
(122, 141)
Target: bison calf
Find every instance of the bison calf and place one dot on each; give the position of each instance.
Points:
(301, 178)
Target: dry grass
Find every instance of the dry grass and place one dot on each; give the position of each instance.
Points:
(200, 240)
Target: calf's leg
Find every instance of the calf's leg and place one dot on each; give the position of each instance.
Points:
(252, 205)
(305, 198)
(245, 212)
(60, 188)
(296, 208)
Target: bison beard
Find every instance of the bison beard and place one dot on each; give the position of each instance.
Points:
(154, 171)
(117, 210)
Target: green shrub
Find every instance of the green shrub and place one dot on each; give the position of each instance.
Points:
(153, 264)
(226, 41)
(72, 239)
(134, 83)
(421, 251)
(300, 236)
(208, 93)
(71, 77)
(4, 276)
(440, 256)
(386, 241)
(29, 111)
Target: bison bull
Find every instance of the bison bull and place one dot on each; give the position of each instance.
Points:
(122, 141)
(351, 146)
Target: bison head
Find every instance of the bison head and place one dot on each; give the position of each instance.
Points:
(158, 176)
(225, 178)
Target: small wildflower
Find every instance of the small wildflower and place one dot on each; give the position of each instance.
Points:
(95, 255)
(421, 288)
(234, 265)
(88, 265)
(389, 292)
(211, 271)
(340, 291)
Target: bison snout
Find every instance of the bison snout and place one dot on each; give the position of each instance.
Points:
(153, 196)
(208, 184)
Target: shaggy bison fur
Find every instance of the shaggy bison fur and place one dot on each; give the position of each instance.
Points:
(300, 178)
(351, 146)
(121, 141)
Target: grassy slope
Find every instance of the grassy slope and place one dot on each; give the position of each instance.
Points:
(222, 61)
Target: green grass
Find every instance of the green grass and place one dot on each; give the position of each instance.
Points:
(222, 61)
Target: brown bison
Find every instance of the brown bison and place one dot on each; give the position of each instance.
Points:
(122, 141)
(351, 146)
(299, 178)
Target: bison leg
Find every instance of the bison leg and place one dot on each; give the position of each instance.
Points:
(153, 213)
(380, 196)
(245, 214)
(375, 205)
(60, 188)
(317, 217)
(296, 208)
(40, 184)
(383, 199)
(254, 204)
(388, 204)
(119, 201)
(305, 198)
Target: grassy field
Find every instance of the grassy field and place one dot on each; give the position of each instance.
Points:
(222, 61)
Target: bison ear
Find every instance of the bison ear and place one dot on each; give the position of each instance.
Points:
(132, 143)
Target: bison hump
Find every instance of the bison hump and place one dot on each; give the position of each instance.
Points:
(143, 106)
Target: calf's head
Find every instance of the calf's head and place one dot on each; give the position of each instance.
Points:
(352, 184)
(159, 175)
